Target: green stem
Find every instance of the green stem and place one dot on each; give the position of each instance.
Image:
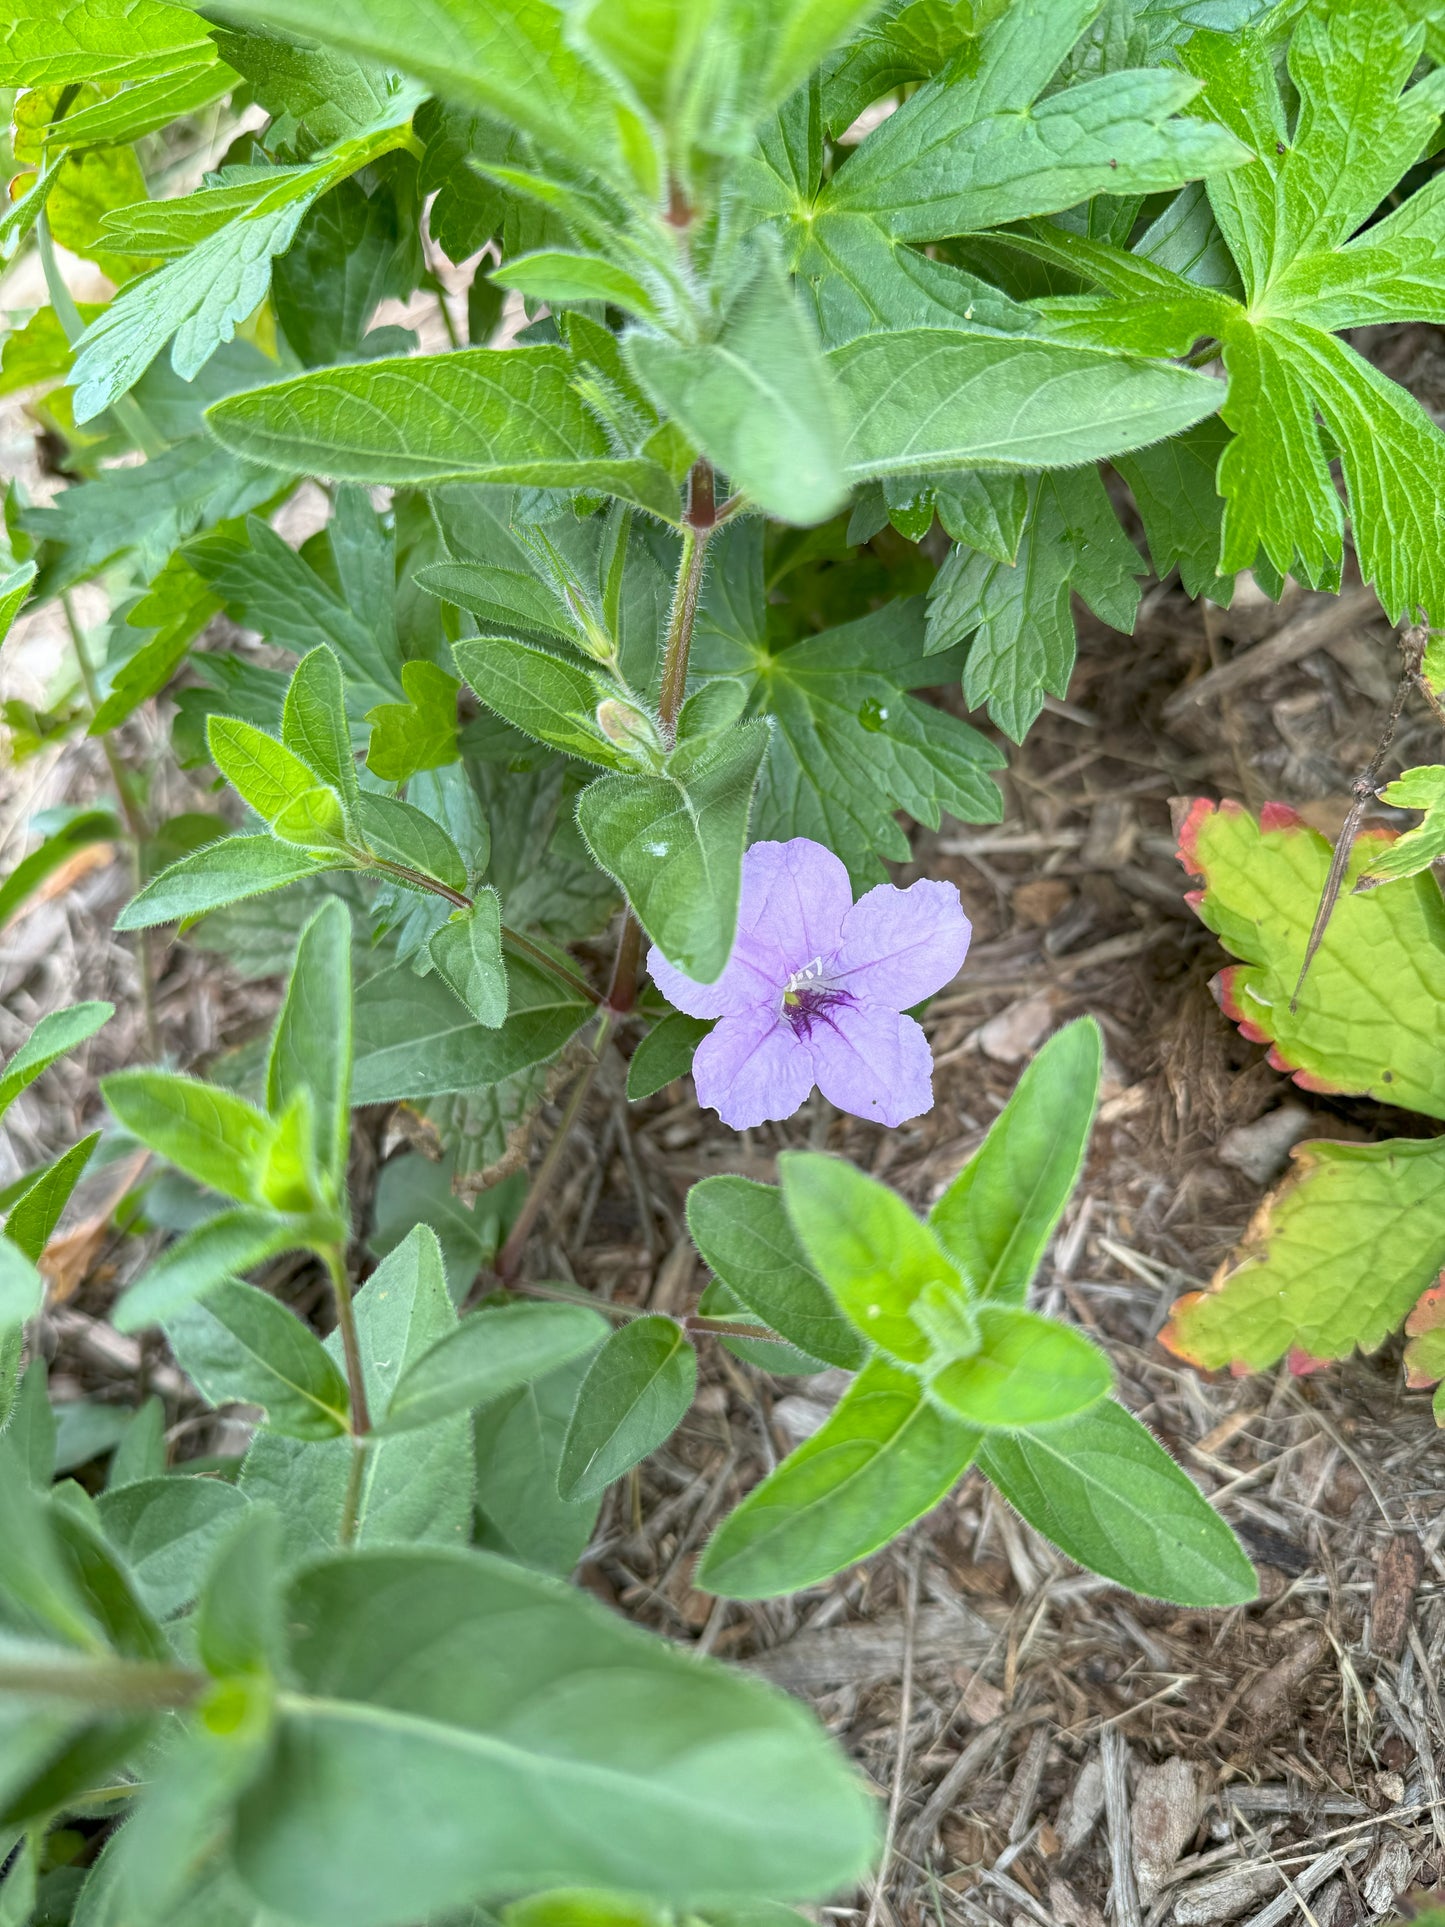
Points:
(131, 810)
(350, 1344)
(351, 1504)
(622, 991)
(726, 1328)
(119, 1685)
(509, 1260)
(522, 945)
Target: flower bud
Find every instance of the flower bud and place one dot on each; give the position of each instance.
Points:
(630, 728)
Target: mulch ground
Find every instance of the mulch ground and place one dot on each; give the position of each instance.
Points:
(1048, 1748)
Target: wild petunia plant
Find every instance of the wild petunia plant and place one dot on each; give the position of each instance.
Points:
(784, 346)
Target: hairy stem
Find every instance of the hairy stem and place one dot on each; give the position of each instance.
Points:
(509, 1259)
(622, 991)
(522, 945)
(121, 1685)
(700, 523)
(351, 1504)
(350, 1345)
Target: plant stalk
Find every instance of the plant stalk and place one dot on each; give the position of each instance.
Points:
(699, 525)
(509, 1259)
(118, 1685)
(350, 1344)
(622, 991)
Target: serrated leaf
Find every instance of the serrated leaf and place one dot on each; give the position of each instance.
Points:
(1173, 488)
(743, 1235)
(637, 1391)
(414, 1039)
(14, 587)
(675, 843)
(53, 44)
(148, 105)
(228, 870)
(1417, 789)
(467, 952)
(883, 1458)
(998, 1215)
(1108, 1494)
(1369, 1017)
(242, 1346)
(977, 148)
(1019, 616)
(1333, 1260)
(479, 415)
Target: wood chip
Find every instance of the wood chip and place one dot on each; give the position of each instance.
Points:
(1016, 1808)
(1399, 1563)
(1388, 1875)
(1123, 1895)
(1079, 1814)
(1069, 1910)
(1224, 1897)
(1318, 621)
(864, 1654)
(1168, 1801)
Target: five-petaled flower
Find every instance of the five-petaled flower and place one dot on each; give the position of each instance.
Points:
(815, 988)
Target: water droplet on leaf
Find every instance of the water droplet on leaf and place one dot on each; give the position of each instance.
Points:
(872, 715)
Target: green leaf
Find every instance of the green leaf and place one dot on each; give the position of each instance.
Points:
(467, 952)
(311, 1046)
(1370, 1016)
(1103, 1489)
(52, 44)
(237, 1621)
(493, 1352)
(561, 277)
(263, 772)
(148, 105)
(52, 1038)
(875, 1257)
(243, 1347)
(675, 843)
(1173, 488)
(414, 1039)
(141, 1453)
(518, 1441)
(84, 828)
(929, 398)
(996, 1219)
(22, 1289)
(665, 1052)
(1018, 615)
(539, 693)
(444, 1703)
(513, 61)
(758, 400)
(1335, 1259)
(413, 1189)
(1415, 851)
(742, 1231)
(35, 1210)
(219, 1247)
(313, 722)
(214, 1136)
(420, 733)
(400, 833)
(976, 147)
(14, 587)
(227, 871)
(850, 748)
(1027, 1371)
(480, 415)
(166, 1530)
(884, 1457)
(636, 1393)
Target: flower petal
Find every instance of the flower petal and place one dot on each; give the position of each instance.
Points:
(795, 898)
(872, 1062)
(739, 987)
(899, 946)
(751, 1068)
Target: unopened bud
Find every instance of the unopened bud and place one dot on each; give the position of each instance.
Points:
(629, 728)
(592, 637)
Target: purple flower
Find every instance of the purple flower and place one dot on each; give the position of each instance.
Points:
(815, 988)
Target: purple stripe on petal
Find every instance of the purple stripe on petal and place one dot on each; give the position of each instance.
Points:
(872, 1062)
(751, 1068)
(900, 946)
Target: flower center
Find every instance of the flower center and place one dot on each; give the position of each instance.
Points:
(808, 998)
